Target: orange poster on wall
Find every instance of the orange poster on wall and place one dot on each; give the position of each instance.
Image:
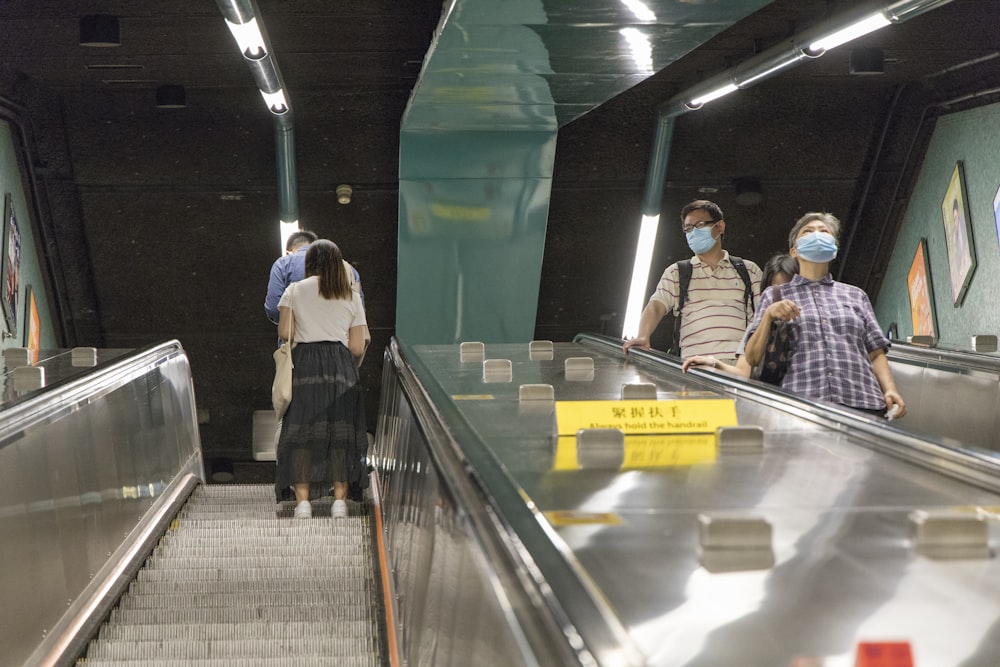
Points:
(918, 282)
(32, 325)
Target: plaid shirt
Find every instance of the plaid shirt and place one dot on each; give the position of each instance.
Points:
(833, 335)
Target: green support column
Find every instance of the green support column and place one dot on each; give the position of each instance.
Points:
(472, 218)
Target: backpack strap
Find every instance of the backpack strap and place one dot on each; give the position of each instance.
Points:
(748, 300)
(684, 271)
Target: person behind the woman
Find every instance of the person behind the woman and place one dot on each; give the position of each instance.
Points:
(777, 271)
(840, 350)
(323, 438)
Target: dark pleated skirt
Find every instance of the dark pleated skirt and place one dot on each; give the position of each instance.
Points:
(323, 438)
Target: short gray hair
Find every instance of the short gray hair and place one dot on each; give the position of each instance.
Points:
(828, 219)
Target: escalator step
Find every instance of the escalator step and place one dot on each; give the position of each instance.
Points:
(257, 630)
(244, 647)
(234, 581)
(356, 660)
(246, 615)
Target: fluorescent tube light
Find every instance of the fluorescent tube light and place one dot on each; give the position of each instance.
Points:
(249, 38)
(712, 95)
(853, 31)
(640, 275)
(275, 101)
(287, 229)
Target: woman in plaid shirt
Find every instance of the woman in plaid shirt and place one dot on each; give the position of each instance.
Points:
(839, 348)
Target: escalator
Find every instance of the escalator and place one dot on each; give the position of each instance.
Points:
(488, 540)
(234, 583)
(116, 552)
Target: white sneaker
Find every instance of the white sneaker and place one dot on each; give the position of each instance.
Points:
(304, 510)
(339, 509)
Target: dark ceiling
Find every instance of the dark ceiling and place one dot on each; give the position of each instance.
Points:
(161, 223)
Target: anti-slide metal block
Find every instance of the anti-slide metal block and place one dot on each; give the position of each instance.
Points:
(600, 448)
(639, 391)
(497, 370)
(83, 356)
(541, 350)
(579, 369)
(949, 534)
(14, 357)
(471, 352)
(536, 392)
(28, 378)
(743, 439)
(984, 343)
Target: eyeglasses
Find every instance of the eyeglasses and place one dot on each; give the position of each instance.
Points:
(701, 224)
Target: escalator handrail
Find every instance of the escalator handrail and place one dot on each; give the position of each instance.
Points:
(968, 465)
(936, 357)
(52, 401)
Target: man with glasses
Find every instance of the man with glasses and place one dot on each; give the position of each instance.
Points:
(712, 295)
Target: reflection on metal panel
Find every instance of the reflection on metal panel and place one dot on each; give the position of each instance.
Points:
(954, 396)
(81, 462)
(806, 538)
(446, 606)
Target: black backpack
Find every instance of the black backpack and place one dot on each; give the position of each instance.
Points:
(684, 271)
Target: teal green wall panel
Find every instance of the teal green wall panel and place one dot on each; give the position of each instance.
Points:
(31, 263)
(470, 259)
(459, 155)
(972, 137)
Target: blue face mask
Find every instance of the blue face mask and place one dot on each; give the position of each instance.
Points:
(818, 247)
(701, 240)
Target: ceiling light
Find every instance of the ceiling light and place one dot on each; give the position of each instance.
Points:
(249, 38)
(344, 192)
(99, 30)
(712, 95)
(852, 31)
(275, 102)
(171, 97)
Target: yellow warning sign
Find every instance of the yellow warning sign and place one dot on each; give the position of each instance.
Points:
(646, 417)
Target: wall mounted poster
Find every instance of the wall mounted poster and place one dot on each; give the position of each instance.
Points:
(11, 263)
(32, 324)
(918, 283)
(958, 235)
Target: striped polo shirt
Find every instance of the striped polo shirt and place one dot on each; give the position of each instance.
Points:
(714, 317)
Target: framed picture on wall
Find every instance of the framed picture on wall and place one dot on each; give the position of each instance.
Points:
(32, 323)
(918, 283)
(11, 263)
(958, 235)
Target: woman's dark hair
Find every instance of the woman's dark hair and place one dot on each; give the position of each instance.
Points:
(323, 259)
(780, 263)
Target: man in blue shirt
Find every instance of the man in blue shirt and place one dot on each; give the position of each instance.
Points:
(291, 268)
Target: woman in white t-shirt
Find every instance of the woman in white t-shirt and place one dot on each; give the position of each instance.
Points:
(323, 439)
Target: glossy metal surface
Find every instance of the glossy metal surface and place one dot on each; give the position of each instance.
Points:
(542, 63)
(833, 495)
(81, 462)
(448, 579)
(950, 395)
